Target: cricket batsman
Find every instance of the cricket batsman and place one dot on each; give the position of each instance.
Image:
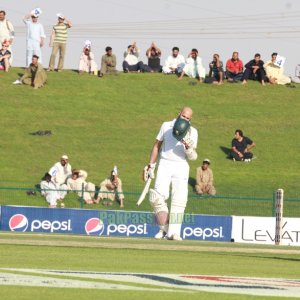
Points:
(175, 144)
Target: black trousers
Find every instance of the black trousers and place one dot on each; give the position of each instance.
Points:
(234, 155)
(258, 75)
(140, 66)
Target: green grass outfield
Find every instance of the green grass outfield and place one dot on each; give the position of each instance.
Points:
(114, 120)
(82, 253)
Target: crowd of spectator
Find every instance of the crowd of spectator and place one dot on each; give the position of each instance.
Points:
(233, 71)
(61, 179)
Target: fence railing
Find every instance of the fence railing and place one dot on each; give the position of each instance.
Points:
(212, 205)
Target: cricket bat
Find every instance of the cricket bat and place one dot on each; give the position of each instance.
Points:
(144, 192)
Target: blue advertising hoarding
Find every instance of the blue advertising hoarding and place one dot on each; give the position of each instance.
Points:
(109, 223)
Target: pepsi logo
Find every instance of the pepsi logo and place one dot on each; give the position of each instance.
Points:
(18, 222)
(94, 226)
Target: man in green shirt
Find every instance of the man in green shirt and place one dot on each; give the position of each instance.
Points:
(58, 41)
(108, 62)
(34, 75)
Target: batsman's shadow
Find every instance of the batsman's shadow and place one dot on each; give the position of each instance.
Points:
(226, 151)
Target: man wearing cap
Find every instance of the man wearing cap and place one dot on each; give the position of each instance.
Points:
(175, 144)
(7, 32)
(60, 172)
(35, 35)
(204, 179)
(58, 42)
(111, 189)
(87, 61)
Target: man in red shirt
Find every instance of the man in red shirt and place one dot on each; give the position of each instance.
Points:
(234, 68)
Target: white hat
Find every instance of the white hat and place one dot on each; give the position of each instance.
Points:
(64, 157)
(60, 15)
(36, 12)
(87, 44)
(115, 171)
(206, 160)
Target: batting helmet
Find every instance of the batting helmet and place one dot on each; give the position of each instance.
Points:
(180, 128)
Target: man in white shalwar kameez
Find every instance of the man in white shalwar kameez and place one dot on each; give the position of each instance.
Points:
(174, 63)
(275, 73)
(35, 36)
(193, 67)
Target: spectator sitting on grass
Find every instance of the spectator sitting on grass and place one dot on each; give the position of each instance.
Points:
(77, 183)
(108, 62)
(35, 74)
(216, 72)
(193, 67)
(153, 53)
(131, 62)
(87, 61)
(205, 179)
(275, 73)
(241, 146)
(234, 68)
(51, 192)
(4, 57)
(111, 189)
(254, 70)
(174, 63)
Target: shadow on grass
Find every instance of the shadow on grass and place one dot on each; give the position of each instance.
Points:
(271, 257)
(226, 151)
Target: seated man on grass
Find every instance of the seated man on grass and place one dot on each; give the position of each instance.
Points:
(131, 62)
(193, 67)
(234, 68)
(174, 63)
(216, 72)
(77, 183)
(254, 70)
(153, 53)
(241, 146)
(111, 189)
(5, 55)
(275, 72)
(108, 62)
(205, 179)
(35, 74)
(50, 190)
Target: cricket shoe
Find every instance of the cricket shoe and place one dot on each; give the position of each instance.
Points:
(160, 235)
(174, 237)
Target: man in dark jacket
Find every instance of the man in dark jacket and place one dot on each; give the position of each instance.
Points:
(254, 70)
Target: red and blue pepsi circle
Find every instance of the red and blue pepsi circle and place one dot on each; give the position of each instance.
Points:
(94, 226)
(18, 222)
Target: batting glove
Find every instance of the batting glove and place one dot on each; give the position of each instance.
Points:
(149, 172)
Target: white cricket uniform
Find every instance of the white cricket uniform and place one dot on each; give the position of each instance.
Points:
(35, 33)
(173, 62)
(194, 68)
(60, 174)
(173, 169)
(50, 192)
